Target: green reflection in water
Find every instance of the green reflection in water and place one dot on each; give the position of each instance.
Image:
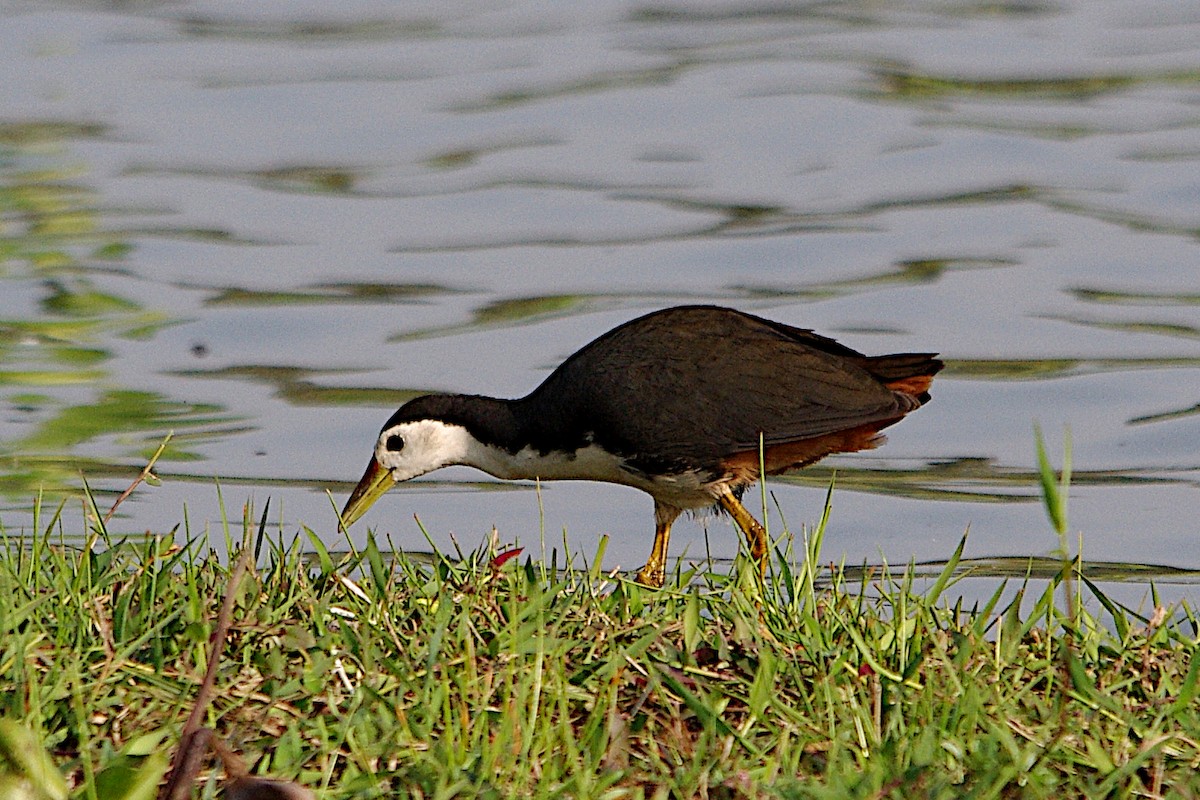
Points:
(459, 158)
(1172, 329)
(520, 309)
(298, 179)
(293, 385)
(1045, 368)
(1116, 297)
(1166, 415)
(907, 272)
(55, 380)
(116, 412)
(326, 293)
(35, 377)
(81, 301)
(979, 480)
(317, 180)
(33, 133)
(515, 311)
(46, 460)
(911, 85)
(598, 82)
(201, 25)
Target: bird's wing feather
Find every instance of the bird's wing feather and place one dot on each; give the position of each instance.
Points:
(694, 386)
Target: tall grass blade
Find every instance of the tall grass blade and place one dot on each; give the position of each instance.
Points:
(1054, 488)
(947, 574)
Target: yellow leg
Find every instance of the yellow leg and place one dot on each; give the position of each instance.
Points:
(756, 534)
(654, 573)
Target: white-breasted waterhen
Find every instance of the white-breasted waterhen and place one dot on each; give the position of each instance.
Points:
(678, 403)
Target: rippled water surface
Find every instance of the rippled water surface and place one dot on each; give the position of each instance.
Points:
(263, 226)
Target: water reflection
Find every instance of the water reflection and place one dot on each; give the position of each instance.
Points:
(1046, 368)
(58, 327)
(294, 386)
(914, 86)
(266, 229)
(327, 294)
(972, 480)
(1125, 298)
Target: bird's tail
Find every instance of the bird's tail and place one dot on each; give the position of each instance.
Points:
(908, 373)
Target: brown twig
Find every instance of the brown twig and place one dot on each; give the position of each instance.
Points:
(194, 740)
(145, 473)
(241, 785)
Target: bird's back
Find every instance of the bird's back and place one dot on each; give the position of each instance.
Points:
(688, 386)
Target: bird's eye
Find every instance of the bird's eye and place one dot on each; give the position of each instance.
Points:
(395, 443)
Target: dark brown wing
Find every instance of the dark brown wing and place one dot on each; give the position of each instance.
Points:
(688, 386)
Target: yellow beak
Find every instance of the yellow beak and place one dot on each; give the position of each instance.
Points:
(375, 481)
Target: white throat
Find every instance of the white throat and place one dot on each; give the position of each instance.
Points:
(431, 444)
(411, 449)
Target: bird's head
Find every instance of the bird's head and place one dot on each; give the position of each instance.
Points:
(405, 450)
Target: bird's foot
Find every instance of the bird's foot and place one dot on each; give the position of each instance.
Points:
(652, 575)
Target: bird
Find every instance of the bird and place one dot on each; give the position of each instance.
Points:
(690, 404)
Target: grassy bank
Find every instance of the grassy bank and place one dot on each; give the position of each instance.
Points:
(495, 676)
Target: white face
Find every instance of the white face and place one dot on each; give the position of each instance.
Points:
(414, 448)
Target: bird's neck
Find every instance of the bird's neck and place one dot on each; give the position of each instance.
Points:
(525, 439)
(511, 438)
(492, 421)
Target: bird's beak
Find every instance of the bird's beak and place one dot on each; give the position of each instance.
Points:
(375, 481)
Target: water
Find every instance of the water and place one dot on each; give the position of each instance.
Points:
(263, 227)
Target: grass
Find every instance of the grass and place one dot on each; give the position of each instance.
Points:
(367, 675)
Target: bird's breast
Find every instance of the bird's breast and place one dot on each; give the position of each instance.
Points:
(685, 489)
(590, 463)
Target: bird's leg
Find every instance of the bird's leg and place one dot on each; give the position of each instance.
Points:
(756, 534)
(654, 573)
